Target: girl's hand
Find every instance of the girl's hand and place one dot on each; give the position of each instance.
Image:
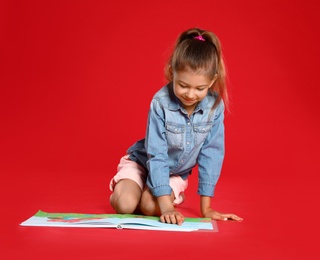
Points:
(215, 215)
(172, 217)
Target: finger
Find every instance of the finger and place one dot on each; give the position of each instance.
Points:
(221, 217)
(173, 219)
(167, 219)
(236, 218)
(231, 217)
(162, 219)
(180, 219)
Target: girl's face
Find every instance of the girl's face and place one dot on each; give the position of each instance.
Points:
(190, 87)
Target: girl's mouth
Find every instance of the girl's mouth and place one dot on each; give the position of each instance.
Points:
(189, 100)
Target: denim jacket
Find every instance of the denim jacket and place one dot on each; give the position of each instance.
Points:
(175, 143)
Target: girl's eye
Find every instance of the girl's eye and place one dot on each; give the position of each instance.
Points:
(182, 86)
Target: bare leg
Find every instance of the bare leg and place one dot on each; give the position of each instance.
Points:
(125, 197)
(149, 205)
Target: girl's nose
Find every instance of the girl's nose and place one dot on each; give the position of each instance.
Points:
(190, 94)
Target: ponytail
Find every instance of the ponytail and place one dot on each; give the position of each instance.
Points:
(200, 50)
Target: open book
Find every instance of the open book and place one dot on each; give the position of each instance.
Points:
(118, 221)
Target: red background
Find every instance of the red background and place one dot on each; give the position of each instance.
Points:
(76, 81)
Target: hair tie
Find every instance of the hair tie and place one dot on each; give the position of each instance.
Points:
(200, 38)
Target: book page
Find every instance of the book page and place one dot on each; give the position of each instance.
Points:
(119, 221)
(73, 220)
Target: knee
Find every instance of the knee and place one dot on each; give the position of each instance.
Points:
(149, 206)
(124, 204)
(148, 210)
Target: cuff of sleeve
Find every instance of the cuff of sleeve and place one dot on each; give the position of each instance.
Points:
(206, 189)
(161, 190)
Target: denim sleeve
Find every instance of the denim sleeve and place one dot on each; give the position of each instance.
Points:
(211, 155)
(157, 150)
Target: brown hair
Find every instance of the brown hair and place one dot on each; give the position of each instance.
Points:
(202, 55)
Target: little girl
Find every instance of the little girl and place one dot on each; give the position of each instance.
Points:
(185, 128)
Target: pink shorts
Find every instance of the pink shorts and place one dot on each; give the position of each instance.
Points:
(128, 169)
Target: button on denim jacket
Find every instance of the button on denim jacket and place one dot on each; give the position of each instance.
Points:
(175, 143)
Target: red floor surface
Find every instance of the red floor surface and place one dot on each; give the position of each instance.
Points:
(76, 81)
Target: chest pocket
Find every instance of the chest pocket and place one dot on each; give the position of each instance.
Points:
(175, 135)
(201, 132)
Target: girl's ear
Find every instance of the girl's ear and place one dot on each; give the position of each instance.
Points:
(168, 72)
